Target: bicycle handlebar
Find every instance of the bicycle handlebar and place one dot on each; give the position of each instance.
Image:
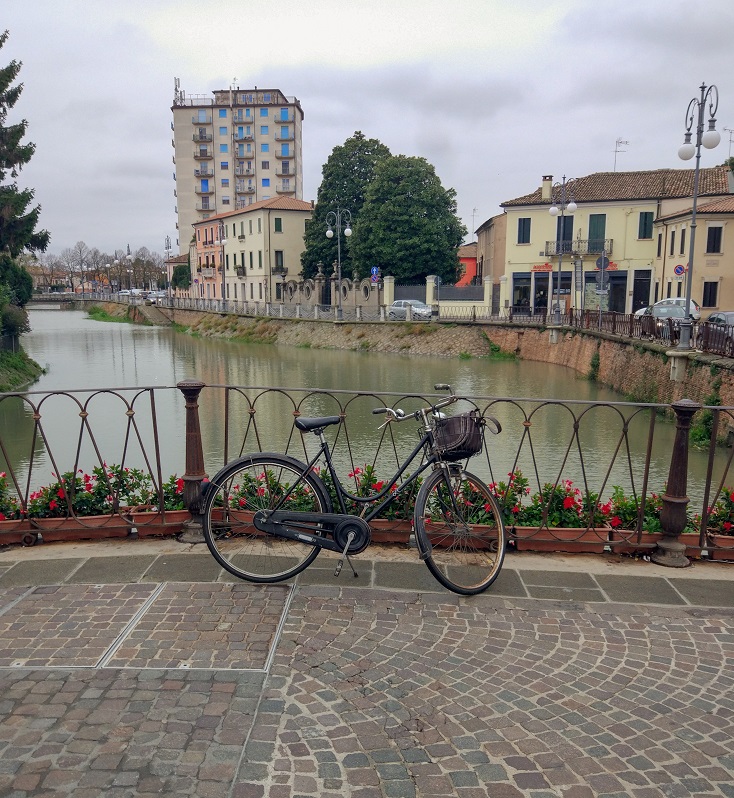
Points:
(399, 415)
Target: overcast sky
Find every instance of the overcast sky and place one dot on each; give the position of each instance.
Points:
(494, 93)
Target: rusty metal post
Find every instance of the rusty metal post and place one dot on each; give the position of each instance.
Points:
(673, 517)
(194, 475)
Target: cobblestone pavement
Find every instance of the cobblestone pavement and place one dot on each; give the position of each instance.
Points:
(211, 689)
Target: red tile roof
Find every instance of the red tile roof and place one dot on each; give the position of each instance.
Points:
(468, 250)
(275, 203)
(657, 184)
(725, 205)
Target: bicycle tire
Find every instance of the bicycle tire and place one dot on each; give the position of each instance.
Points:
(241, 488)
(462, 543)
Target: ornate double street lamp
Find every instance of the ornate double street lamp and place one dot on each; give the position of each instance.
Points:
(129, 259)
(335, 219)
(710, 139)
(562, 197)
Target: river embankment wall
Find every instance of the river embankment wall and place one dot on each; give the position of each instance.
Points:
(639, 370)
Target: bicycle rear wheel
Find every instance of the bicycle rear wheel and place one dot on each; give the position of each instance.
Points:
(459, 531)
(236, 493)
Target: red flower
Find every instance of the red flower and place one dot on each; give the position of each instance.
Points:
(89, 487)
(568, 502)
(616, 521)
(727, 525)
(60, 493)
(355, 473)
(179, 485)
(52, 505)
(378, 485)
(2, 517)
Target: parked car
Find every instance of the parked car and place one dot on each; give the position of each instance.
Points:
(695, 310)
(156, 297)
(718, 332)
(656, 321)
(419, 310)
(124, 292)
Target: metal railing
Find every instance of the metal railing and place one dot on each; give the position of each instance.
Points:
(584, 449)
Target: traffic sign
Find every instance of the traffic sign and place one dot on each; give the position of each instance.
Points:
(374, 278)
(374, 270)
(602, 262)
(679, 270)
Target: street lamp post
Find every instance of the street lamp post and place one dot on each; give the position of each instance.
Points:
(168, 267)
(222, 242)
(563, 204)
(710, 139)
(335, 219)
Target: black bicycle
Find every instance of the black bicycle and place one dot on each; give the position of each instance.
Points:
(267, 516)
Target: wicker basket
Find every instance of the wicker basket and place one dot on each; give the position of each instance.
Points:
(459, 437)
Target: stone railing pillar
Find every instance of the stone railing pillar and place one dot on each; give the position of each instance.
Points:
(195, 473)
(673, 516)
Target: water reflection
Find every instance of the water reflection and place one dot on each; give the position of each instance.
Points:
(81, 353)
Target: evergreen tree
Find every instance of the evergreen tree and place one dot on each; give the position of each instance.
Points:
(17, 223)
(408, 225)
(346, 175)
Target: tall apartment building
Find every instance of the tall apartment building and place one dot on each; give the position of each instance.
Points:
(231, 150)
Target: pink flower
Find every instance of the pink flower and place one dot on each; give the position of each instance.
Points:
(261, 491)
(355, 473)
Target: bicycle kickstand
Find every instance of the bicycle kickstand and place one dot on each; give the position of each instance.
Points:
(340, 563)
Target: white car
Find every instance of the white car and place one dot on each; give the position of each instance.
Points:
(419, 311)
(695, 309)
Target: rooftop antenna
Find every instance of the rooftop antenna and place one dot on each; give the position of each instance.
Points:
(731, 137)
(617, 144)
(473, 214)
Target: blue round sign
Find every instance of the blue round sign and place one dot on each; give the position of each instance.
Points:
(679, 270)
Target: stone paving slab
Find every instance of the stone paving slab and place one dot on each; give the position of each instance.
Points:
(205, 625)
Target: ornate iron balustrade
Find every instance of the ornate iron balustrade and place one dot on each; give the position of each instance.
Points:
(579, 246)
(593, 445)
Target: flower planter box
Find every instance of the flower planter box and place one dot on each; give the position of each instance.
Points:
(563, 539)
(88, 527)
(17, 531)
(391, 531)
(155, 522)
(722, 547)
(624, 541)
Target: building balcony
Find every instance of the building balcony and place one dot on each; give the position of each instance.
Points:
(208, 271)
(243, 171)
(197, 120)
(240, 118)
(205, 205)
(239, 271)
(243, 137)
(289, 156)
(284, 171)
(289, 118)
(282, 187)
(203, 191)
(202, 137)
(203, 172)
(241, 188)
(203, 154)
(580, 246)
(280, 137)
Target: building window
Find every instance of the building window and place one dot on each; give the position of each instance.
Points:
(523, 231)
(710, 294)
(672, 242)
(251, 260)
(225, 200)
(683, 241)
(285, 167)
(222, 113)
(265, 164)
(251, 290)
(223, 148)
(260, 290)
(222, 131)
(597, 231)
(264, 148)
(259, 259)
(266, 182)
(645, 228)
(224, 165)
(263, 130)
(278, 224)
(225, 182)
(259, 224)
(713, 240)
(264, 112)
(279, 262)
(660, 244)
(266, 97)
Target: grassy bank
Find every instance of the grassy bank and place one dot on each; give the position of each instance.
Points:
(17, 370)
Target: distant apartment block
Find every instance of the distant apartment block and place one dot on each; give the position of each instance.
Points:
(233, 149)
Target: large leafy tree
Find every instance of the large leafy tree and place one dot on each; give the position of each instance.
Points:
(345, 177)
(408, 225)
(17, 223)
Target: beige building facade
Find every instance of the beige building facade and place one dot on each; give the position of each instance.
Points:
(248, 254)
(614, 225)
(231, 150)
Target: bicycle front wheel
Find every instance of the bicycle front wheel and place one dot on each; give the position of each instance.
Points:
(459, 531)
(236, 493)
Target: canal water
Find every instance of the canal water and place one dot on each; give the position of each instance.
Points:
(79, 353)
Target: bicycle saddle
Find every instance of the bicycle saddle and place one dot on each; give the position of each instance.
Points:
(312, 424)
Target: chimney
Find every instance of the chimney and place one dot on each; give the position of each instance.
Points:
(546, 188)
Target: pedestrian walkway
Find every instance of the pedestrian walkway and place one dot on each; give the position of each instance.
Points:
(139, 669)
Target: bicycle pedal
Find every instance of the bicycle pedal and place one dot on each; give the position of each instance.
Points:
(338, 568)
